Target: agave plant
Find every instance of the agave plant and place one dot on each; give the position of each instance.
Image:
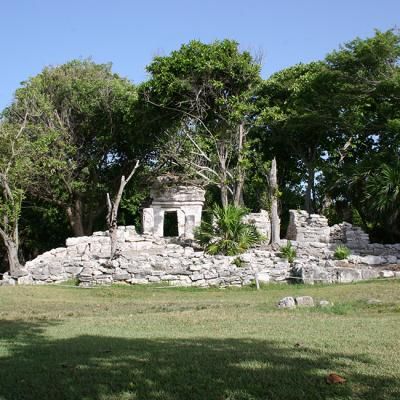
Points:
(226, 233)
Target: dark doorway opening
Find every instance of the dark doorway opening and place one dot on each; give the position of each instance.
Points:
(171, 224)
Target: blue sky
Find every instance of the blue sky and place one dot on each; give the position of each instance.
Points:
(129, 33)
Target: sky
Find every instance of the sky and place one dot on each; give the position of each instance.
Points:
(129, 33)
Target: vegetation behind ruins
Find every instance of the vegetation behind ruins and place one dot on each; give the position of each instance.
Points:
(206, 115)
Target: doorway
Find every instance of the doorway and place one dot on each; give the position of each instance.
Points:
(171, 224)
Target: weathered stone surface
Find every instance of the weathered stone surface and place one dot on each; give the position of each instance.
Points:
(121, 277)
(287, 302)
(324, 303)
(147, 258)
(386, 274)
(372, 260)
(263, 277)
(374, 301)
(304, 301)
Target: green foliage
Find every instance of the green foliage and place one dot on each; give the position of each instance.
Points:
(81, 115)
(288, 252)
(226, 233)
(238, 262)
(200, 95)
(342, 252)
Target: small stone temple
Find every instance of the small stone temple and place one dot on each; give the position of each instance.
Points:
(175, 209)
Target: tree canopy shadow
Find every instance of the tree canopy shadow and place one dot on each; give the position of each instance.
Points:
(97, 367)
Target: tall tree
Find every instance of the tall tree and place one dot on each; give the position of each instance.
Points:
(204, 93)
(368, 74)
(90, 112)
(16, 174)
(299, 114)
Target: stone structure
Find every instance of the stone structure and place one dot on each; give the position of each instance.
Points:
(305, 227)
(261, 221)
(353, 236)
(149, 258)
(312, 236)
(186, 202)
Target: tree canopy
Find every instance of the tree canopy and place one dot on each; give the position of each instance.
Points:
(205, 113)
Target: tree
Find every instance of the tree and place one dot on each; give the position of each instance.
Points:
(368, 75)
(112, 214)
(90, 113)
(15, 168)
(275, 222)
(299, 112)
(204, 94)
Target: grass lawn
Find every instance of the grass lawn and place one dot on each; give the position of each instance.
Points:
(150, 343)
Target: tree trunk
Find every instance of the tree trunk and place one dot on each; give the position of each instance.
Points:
(240, 173)
(224, 195)
(308, 201)
(222, 155)
(275, 222)
(112, 215)
(12, 254)
(75, 218)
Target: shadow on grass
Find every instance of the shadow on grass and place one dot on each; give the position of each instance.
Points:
(96, 367)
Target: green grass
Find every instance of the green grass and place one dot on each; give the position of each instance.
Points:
(151, 343)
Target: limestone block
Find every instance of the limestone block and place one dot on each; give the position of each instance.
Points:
(372, 260)
(304, 301)
(56, 268)
(391, 259)
(324, 303)
(214, 282)
(24, 280)
(386, 274)
(369, 273)
(287, 302)
(196, 276)
(138, 281)
(347, 275)
(121, 276)
(263, 277)
(168, 277)
(190, 224)
(148, 221)
(200, 283)
(210, 275)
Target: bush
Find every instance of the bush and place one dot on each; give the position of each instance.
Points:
(226, 233)
(288, 252)
(341, 252)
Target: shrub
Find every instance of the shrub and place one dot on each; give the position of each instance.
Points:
(341, 252)
(226, 233)
(288, 252)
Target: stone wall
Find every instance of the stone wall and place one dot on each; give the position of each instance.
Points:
(305, 227)
(148, 259)
(144, 259)
(314, 236)
(261, 221)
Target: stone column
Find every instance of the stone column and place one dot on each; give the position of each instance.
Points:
(148, 221)
(190, 223)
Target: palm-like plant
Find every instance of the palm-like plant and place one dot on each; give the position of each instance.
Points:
(226, 233)
(383, 192)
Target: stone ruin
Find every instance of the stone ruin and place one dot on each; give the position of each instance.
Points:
(261, 221)
(312, 230)
(183, 202)
(150, 258)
